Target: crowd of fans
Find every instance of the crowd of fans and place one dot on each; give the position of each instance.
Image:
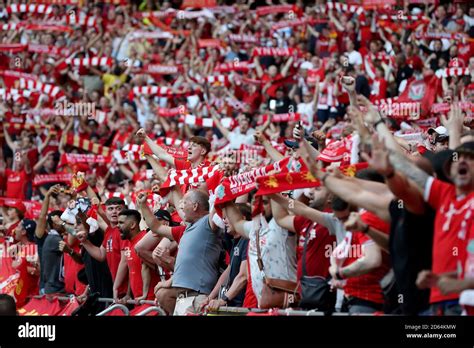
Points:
(132, 132)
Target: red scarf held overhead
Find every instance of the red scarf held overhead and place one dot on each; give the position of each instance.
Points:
(273, 51)
(266, 10)
(291, 181)
(87, 145)
(160, 69)
(42, 179)
(243, 38)
(210, 43)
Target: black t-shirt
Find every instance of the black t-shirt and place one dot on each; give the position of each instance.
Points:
(97, 273)
(237, 249)
(411, 243)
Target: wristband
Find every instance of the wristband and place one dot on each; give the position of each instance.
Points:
(224, 298)
(378, 122)
(339, 275)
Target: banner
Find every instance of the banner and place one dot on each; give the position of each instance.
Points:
(291, 181)
(41, 179)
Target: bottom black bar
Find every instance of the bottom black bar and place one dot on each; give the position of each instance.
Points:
(192, 331)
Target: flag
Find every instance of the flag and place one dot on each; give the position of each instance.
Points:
(421, 91)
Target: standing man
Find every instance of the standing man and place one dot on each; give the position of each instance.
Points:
(197, 263)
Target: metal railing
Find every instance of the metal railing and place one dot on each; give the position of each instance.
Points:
(109, 309)
(150, 310)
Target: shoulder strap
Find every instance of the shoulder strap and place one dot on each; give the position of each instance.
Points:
(306, 239)
(257, 241)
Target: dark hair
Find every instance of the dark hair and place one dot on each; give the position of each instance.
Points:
(201, 141)
(370, 175)
(115, 201)
(7, 305)
(245, 210)
(338, 204)
(51, 215)
(132, 213)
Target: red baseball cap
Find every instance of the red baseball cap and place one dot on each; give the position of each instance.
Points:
(17, 205)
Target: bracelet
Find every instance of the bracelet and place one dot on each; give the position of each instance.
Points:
(378, 122)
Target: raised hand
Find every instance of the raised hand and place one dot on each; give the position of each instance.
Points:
(455, 120)
(379, 160)
(348, 83)
(371, 115)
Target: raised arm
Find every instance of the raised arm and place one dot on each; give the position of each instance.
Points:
(153, 223)
(235, 218)
(281, 216)
(157, 150)
(41, 224)
(273, 153)
(225, 132)
(298, 208)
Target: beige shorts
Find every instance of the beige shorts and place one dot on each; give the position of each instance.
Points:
(188, 305)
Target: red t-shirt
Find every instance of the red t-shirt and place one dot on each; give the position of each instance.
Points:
(135, 269)
(367, 286)
(72, 285)
(453, 222)
(113, 252)
(16, 184)
(316, 261)
(28, 283)
(177, 232)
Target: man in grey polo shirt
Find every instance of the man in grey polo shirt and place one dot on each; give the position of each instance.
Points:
(196, 270)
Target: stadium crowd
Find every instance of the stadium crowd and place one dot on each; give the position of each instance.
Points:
(259, 154)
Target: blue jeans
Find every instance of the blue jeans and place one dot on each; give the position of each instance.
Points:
(442, 308)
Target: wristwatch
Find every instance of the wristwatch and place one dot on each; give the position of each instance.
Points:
(225, 298)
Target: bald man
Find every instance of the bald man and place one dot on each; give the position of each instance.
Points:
(197, 262)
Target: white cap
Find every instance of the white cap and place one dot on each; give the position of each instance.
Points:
(440, 130)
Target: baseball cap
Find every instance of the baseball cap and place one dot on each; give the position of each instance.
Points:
(165, 215)
(439, 130)
(17, 205)
(30, 227)
(466, 148)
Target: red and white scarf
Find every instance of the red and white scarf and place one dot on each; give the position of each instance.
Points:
(244, 38)
(234, 66)
(33, 9)
(273, 51)
(94, 61)
(447, 72)
(48, 89)
(265, 10)
(209, 43)
(160, 69)
(49, 49)
(42, 179)
(172, 112)
(87, 145)
(150, 35)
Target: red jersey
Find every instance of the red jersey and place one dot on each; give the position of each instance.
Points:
(28, 283)
(135, 269)
(72, 285)
(319, 239)
(453, 222)
(16, 184)
(367, 286)
(113, 252)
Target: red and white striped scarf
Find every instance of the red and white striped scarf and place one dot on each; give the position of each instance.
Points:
(14, 94)
(447, 72)
(74, 158)
(48, 89)
(82, 20)
(33, 9)
(224, 79)
(162, 91)
(188, 177)
(209, 43)
(292, 23)
(432, 35)
(344, 7)
(87, 145)
(47, 27)
(445, 107)
(408, 18)
(172, 142)
(205, 122)
(288, 117)
(94, 61)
